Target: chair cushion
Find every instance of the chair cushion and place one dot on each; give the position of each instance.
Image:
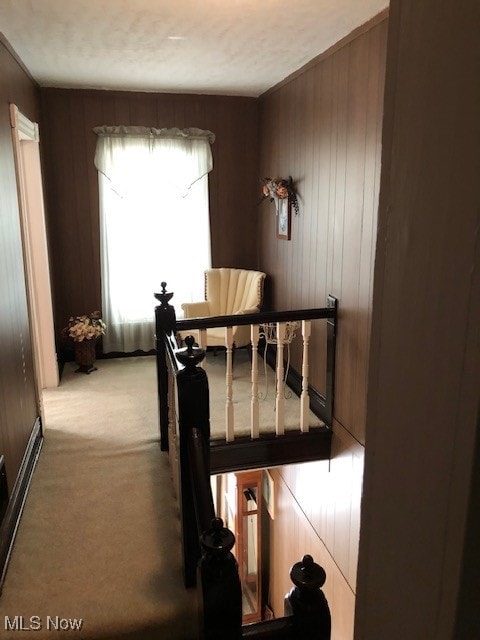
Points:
(227, 292)
(232, 291)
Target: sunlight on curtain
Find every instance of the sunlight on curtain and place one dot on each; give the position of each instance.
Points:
(154, 226)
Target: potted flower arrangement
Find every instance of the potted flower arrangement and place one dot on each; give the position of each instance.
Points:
(275, 189)
(85, 331)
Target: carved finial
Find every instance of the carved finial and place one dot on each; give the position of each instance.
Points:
(217, 540)
(306, 601)
(191, 355)
(217, 526)
(164, 313)
(307, 574)
(164, 297)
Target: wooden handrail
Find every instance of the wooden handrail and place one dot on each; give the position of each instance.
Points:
(193, 413)
(171, 353)
(307, 616)
(217, 578)
(219, 587)
(211, 322)
(200, 474)
(167, 327)
(206, 542)
(278, 629)
(164, 324)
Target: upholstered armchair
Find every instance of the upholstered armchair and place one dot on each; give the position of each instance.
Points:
(228, 292)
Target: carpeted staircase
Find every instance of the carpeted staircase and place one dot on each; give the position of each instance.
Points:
(99, 538)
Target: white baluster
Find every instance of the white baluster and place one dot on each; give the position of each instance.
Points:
(304, 398)
(254, 330)
(280, 403)
(202, 343)
(229, 384)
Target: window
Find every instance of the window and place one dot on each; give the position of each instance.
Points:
(154, 225)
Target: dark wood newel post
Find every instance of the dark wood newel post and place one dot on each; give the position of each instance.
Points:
(306, 601)
(165, 322)
(219, 587)
(193, 421)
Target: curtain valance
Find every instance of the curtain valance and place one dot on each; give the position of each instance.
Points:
(182, 156)
(152, 132)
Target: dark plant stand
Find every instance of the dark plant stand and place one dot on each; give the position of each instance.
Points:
(85, 368)
(85, 356)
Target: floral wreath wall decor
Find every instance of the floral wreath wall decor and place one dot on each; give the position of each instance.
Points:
(282, 192)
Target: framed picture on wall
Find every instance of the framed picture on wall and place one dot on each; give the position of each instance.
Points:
(284, 218)
(268, 492)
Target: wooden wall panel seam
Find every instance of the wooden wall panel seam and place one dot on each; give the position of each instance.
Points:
(18, 406)
(332, 246)
(306, 519)
(331, 251)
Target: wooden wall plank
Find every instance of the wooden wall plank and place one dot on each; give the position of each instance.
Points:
(322, 128)
(369, 222)
(356, 114)
(18, 409)
(425, 358)
(291, 537)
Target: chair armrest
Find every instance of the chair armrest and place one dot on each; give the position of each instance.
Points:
(245, 311)
(196, 309)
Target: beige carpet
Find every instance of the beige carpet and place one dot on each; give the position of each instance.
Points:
(99, 537)
(99, 540)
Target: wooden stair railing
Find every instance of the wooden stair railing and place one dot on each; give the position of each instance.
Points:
(266, 449)
(164, 328)
(207, 543)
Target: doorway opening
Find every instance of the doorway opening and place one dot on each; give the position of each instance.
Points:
(243, 502)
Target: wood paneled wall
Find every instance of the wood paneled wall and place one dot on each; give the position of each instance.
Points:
(17, 390)
(292, 535)
(425, 349)
(317, 511)
(323, 127)
(72, 184)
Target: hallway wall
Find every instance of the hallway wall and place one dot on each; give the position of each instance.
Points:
(420, 519)
(323, 127)
(17, 390)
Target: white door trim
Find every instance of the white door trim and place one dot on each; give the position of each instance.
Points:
(25, 137)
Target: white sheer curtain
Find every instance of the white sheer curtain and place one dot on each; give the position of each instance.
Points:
(154, 225)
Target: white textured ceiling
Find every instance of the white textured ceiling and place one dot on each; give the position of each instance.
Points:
(232, 47)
